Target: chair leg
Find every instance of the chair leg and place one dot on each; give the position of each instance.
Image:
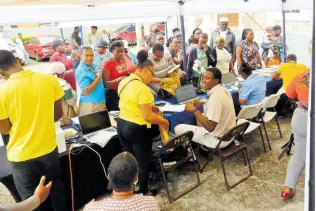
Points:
(243, 155)
(264, 146)
(250, 169)
(279, 129)
(224, 171)
(208, 160)
(265, 131)
(165, 180)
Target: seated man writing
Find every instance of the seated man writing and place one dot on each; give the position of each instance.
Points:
(123, 172)
(219, 114)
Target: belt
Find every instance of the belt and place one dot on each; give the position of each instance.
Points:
(300, 105)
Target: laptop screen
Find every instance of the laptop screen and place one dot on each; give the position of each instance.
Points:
(229, 78)
(185, 93)
(95, 121)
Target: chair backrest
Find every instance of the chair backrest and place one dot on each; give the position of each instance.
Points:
(271, 101)
(281, 91)
(229, 78)
(250, 111)
(177, 141)
(235, 132)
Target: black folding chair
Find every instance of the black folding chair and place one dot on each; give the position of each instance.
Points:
(184, 141)
(237, 135)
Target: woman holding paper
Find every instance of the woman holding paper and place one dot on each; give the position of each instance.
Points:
(137, 114)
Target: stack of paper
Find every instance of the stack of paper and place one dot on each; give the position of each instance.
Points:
(172, 108)
(103, 137)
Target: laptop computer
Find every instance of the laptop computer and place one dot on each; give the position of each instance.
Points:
(229, 78)
(94, 123)
(186, 94)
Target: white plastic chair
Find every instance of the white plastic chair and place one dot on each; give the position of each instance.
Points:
(251, 112)
(270, 102)
(281, 91)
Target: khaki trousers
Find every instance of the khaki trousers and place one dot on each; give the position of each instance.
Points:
(88, 108)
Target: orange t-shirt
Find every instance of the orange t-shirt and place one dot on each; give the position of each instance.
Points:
(299, 87)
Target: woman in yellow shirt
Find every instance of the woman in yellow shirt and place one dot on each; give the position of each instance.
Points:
(137, 113)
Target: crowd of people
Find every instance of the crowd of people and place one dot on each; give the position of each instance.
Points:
(111, 77)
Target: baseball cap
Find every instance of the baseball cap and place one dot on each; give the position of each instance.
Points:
(102, 43)
(223, 20)
(57, 68)
(57, 42)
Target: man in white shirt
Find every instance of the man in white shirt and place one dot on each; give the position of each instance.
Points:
(219, 113)
(229, 37)
(20, 45)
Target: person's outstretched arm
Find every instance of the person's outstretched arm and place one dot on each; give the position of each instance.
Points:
(40, 195)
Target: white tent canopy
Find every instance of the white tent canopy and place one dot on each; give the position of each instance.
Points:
(111, 10)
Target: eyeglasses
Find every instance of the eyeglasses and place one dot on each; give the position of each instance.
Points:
(152, 73)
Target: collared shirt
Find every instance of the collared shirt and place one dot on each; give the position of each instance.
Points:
(99, 59)
(253, 89)
(85, 76)
(219, 108)
(27, 100)
(134, 94)
(289, 70)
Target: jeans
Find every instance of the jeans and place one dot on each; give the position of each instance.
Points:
(27, 174)
(297, 161)
(137, 140)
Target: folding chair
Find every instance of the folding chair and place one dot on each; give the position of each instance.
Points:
(183, 140)
(251, 112)
(235, 135)
(269, 102)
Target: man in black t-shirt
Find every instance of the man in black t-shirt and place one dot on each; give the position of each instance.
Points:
(75, 39)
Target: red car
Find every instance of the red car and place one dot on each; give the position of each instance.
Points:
(40, 47)
(128, 32)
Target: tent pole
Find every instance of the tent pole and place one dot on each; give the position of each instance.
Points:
(62, 33)
(81, 32)
(284, 36)
(166, 29)
(311, 147)
(181, 2)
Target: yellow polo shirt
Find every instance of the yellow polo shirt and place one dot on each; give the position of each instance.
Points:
(134, 94)
(289, 70)
(27, 99)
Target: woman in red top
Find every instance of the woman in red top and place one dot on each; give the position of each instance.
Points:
(114, 70)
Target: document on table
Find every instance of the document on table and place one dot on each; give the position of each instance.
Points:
(103, 137)
(172, 108)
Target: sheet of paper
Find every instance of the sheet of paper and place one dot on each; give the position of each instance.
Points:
(172, 108)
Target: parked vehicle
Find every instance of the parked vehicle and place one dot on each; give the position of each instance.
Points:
(128, 32)
(40, 47)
